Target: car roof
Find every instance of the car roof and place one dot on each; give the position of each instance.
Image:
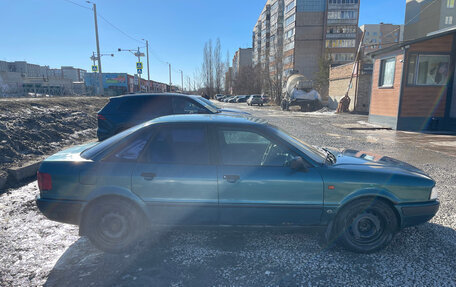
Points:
(210, 118)
(140, 95)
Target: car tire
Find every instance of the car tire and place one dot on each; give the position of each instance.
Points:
(366, 225)
(114, 225)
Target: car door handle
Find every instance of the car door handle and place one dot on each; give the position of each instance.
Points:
(148, 175)
(231, 178)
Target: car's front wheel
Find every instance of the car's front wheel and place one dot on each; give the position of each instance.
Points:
(114, 225)
(366, 225)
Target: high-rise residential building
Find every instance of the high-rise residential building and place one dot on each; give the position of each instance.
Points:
(307, 30)
(426, 16)
(378, 36)
(241, 58)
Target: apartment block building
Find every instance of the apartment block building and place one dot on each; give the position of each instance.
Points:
(426, 16)
(306, 31)
(378, 36)
(242, 58)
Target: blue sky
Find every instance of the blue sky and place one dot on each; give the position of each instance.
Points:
(58, 33)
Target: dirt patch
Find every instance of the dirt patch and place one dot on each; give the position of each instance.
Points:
(33, 128)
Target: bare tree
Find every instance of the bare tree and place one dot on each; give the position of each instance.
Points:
(276, 72)
(218, 65)
(322, 76)
(208, 68)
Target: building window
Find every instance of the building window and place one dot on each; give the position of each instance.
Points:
(290, 6)
(290, 20)
(428, 70)
(448, 20)
(387, 67)
(274, 6)
(340, 43)
(343, 1)
(289, 34)
(341, 30)
(288, 60)
(349, 14)
(450, 3)
(343, 57)
(289, 46)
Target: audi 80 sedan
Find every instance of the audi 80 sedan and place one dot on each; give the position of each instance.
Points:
(206, 170)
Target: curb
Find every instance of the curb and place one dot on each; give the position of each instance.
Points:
(3, 180)
(17, 174)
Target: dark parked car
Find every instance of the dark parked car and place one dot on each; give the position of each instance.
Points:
(219, 170)
(242, 99)
(126, 111)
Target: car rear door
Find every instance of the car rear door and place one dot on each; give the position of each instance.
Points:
(176, 176)
(256, 187)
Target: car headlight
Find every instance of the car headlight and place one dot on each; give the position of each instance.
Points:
(434, 194)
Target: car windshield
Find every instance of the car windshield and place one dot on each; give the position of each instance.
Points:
(207, 104)
(314, 153)
(96, 149)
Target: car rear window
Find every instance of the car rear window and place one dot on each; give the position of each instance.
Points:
(98, 148)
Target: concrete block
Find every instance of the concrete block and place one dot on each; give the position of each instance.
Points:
(3, 179)
(26, 171)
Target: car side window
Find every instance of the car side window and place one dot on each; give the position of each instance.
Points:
(154, 105)
(247, 148)
(179, 145)
(129, 151)
(182, 105)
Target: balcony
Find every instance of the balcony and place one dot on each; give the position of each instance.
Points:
(343, 6)
(343, 21)
(341, 36)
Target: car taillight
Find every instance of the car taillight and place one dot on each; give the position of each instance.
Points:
(44, 181)
(101, 117)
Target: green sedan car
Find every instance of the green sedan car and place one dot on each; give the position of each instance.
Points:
(208, 170)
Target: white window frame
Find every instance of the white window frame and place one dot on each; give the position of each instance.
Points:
(381, 74)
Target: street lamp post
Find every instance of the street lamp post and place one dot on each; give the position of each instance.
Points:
(147, 54)
(138, 54)
(182, 80)
(100, 74)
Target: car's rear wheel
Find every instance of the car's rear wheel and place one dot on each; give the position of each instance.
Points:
(366, 225)
(114, 225)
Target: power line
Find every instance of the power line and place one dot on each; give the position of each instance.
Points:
(124, 33)
(82, 6)
(414, 17)
(118, 29)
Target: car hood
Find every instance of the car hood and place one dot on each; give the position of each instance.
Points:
(233, 111)
(360, 159)
(71, 154)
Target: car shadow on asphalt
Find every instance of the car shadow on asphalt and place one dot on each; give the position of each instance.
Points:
(227, 256)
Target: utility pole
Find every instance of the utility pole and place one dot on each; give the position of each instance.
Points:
(182, 80)
(100, 74)
(147, 51)
(170, 82)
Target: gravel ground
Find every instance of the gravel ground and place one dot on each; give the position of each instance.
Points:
(31, 128)
(36, 251)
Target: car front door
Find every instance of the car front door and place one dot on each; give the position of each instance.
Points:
(256, 185)
(176, 178)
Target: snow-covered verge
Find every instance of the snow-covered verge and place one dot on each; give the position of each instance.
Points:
(31, 128)
(30, 245)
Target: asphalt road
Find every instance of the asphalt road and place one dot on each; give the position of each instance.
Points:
(36, 251)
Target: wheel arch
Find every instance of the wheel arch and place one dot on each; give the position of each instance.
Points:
(373, 194)
(108, 193)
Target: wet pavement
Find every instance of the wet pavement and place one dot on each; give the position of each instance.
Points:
(36, 251)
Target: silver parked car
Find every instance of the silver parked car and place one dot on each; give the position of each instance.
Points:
(255, 100)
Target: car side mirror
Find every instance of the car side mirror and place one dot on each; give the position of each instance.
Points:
(298, 164)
